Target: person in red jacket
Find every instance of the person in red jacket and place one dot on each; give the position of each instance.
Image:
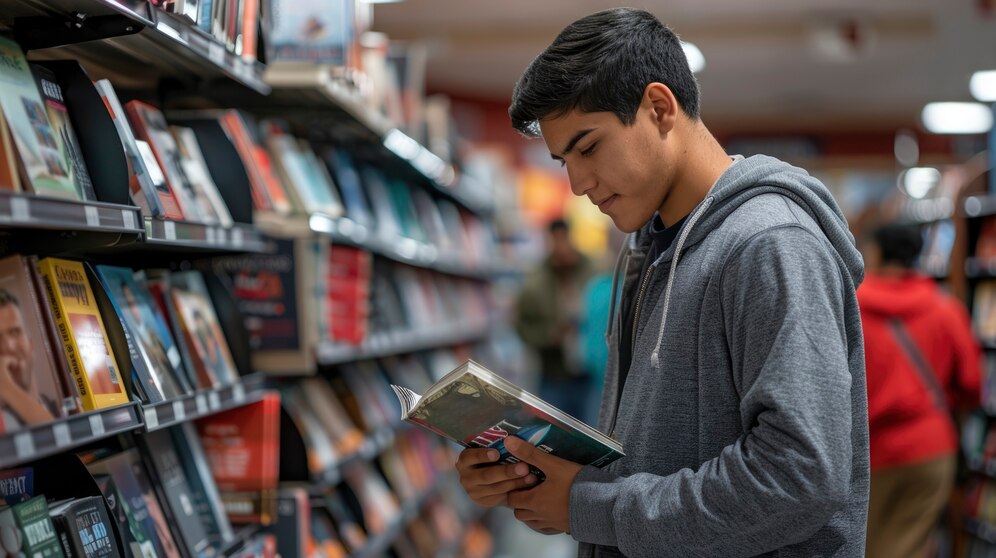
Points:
(923, 364)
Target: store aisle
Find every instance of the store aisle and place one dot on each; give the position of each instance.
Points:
(513, 539)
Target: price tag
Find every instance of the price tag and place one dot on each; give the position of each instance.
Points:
(202, 404)
(61, 432)
(151, 418)
(169, 230)
(92, 216)
(24, 445)
(97, 425)
(238, 393)
(237, 238)
(20, 209)
(128, 218)
(214, 401)
(216, 53)
(179, 412)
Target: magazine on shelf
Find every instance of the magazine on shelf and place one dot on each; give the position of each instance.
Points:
(478, 408)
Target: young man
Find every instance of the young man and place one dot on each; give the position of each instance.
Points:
(923, 363)
(736, 372)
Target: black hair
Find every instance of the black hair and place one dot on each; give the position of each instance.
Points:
(558, 225)
(603, 63)
(899, 244)
(7, 298)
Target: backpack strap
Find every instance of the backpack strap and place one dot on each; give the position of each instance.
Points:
(920, 364)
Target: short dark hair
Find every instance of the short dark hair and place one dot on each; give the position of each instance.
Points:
(603, 63)
(899, 244)
(558, 225)
(7, 298)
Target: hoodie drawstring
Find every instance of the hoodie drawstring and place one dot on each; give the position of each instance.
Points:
(655, 357)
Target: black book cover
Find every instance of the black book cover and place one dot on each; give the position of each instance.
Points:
(84, 528)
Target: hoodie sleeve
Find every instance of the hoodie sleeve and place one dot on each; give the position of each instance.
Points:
(790, 471)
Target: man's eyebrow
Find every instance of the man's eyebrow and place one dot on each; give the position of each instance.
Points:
(574, 141)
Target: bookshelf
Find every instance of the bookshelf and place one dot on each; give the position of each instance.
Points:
(201, 84)
(36, 442)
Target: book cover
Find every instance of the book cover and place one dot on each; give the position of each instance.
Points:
(322, 530)
(10, 177)
(317, 31)
(207, 499)
(172, 481)
(210, 353)
(39, 537)
(16, 485)
(293, 523)
(242, 446)
(321, 453)
(84, 338)
(477, 408)
(346, 177)
(149, 125)
(265, 286)
(268, 191)
(84, 528)
(194, 165)
(71, 404)
(156, 356)
(40, 158)
(123, 481)
(62, 127)
(30, 389)
(157, 281)
(146, 181)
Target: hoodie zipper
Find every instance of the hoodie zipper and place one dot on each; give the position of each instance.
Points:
(632, 343)
(636, 310)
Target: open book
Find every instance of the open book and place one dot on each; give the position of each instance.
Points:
(477, 408)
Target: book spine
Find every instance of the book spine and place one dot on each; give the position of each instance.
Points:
(65, 334)
(71, 403)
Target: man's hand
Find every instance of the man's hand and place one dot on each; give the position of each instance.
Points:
(488, 483)
(543, 508)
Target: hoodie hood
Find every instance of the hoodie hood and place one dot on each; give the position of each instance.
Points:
(896, 297)
(742, 181)
(761, 174)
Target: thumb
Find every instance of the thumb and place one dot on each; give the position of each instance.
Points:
(525, 451)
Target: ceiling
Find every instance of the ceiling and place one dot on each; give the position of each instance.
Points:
(763, 70)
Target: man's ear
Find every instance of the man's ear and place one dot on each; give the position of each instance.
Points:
(659, 98)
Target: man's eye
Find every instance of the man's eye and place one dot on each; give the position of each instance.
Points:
(589, 150)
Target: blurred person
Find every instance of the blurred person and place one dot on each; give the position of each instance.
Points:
(547, 311)
(736, 380)
(922, 362)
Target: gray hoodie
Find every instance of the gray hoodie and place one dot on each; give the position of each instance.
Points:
(744, 415)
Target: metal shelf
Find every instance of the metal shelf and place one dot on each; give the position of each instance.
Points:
(399, 343)
(980, 268)
(408, 251)
(141, 48)
(24, 210)
(204, 403)
(43, 440)
(199, 237)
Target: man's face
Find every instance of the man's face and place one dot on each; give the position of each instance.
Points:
(621, 169)
(15, 344)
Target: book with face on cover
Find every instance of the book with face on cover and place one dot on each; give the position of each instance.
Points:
(477, 408)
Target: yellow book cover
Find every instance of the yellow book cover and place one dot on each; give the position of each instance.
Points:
(84, 338)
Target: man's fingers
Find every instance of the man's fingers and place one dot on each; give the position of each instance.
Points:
(472, 457)
(505, 487)
(527, 452)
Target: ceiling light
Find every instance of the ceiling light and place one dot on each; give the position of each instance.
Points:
(696, 60)
(957, 118)
(983, 86)
(919, 181)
